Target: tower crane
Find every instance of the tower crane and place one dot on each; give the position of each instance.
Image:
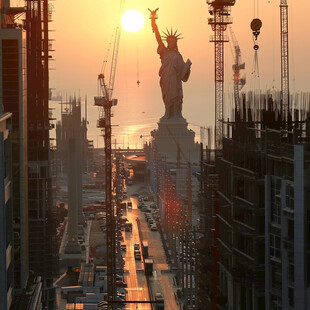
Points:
(239, 82)
(105, 102)
(220, 10)
(285, 106)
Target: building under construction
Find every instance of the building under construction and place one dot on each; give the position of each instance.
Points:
(69, 110)
(255, 209)
(177, 193)
(42, 230)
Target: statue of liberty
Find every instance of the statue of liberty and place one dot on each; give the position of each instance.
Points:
(172, 72)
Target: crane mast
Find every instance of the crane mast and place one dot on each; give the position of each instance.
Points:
(114, 57)
(285, 106)
(105, 102)
(220, 10)
(239, 82)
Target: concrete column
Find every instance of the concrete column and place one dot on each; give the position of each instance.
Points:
(284, 258)
(79, 165)
(267, 242)
(3, 271)
(73, 246)
(299, 229)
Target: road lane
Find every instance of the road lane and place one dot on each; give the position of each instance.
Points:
(135, 278)
(161, 281)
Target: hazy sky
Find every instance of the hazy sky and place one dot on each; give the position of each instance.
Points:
(84, 30)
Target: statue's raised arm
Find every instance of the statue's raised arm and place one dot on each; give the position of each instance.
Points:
(173, 70)
(153, 17)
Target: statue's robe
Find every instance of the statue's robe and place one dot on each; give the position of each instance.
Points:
(172, 72)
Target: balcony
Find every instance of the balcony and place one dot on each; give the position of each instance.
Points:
(288, 243)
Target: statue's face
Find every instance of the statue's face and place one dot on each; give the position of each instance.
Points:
(172, 43)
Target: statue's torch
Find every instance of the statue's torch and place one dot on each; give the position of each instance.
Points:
(153, 17)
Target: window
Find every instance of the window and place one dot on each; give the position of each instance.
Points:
(275, 242)
(291, 296)
(289, 196)
(276, 201)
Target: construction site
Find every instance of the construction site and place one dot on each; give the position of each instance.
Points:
(220, 223)
(231, 214)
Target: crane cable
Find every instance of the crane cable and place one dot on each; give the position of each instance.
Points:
(138, 71)
(256, 25)
(256, 8)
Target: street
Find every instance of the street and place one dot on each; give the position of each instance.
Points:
(161, 281)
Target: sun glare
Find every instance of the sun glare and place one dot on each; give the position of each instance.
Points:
(132, 21)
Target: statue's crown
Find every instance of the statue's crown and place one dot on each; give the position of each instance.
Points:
(169, 34)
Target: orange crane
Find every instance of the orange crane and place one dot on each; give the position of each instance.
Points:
(105, 102)
(239, 82)
(220, 12)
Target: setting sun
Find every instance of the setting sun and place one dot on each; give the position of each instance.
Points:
(132, 21)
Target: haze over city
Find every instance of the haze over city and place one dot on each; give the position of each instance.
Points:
(154, 155)
(79, 55)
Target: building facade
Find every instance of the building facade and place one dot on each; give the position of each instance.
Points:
(42, 230)
(13, 96)
(6, 213)
(287, 221)
(256, 218)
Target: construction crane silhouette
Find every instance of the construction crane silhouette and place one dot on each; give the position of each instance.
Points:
(238, 65)
(105, 102)
(220, 12)
(285, 102)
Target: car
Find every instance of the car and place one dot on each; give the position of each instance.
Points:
(144, 209)
(153, 206)
(121, 284)
(136, 246)
(123, 247)
(123, 219)
(119, 278)
(146, 198)
(122, 290)
(118, 298)
(150, 221)
(137, 256)
(121, 296)
(154, 228)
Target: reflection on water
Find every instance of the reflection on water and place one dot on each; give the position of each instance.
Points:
(128, 130)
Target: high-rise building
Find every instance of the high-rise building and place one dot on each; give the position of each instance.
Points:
(256, 219)
(42, 230)
(287, 220)
(13, 96)
(6, 212)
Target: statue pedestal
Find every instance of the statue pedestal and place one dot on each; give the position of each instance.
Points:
(174, 131)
